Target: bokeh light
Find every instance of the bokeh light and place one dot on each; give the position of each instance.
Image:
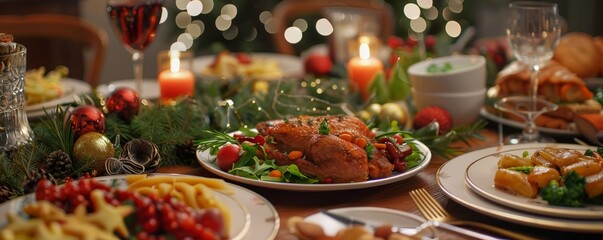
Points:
(178, 46)
(229, 11)
(223, 22)
(186, 39)
(265, 17)
(231, 33)
(425, 4)
(196, 28)
(181, 4)
(412, 11)
(194, 8)
(164, 15)
(208, 5)
(431, 13)
(418, 25)
(183, 19)
(324, 27)
(453, 28)
(301, 24)
(293, 35)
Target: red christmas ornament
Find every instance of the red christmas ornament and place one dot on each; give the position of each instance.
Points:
(125, 102)
(85, 119)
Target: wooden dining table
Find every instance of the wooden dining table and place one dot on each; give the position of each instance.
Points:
(396, 195)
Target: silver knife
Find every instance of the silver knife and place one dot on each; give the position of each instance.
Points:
(410, 230)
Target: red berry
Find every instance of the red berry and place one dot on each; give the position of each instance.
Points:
(429, 114)
(318, 64)
(430, 42)
(395, 42)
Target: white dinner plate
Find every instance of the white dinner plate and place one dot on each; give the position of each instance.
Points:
(569, 132)
(207, 161)
(451, 179)
(480, 178)
(150, 87)
(253, 217)
(71, 87)
(374, 216)
(291, 66)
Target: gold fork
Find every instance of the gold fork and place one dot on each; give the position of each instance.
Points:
(432, 210)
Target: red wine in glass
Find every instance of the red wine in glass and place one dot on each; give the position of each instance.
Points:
(135, 23)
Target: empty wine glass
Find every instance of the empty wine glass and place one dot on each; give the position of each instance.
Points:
(533, 32)
(135, 23)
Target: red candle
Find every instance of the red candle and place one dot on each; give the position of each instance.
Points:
(175, 82)
(362, 69)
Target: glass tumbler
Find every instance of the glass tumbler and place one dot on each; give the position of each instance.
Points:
(14, 127)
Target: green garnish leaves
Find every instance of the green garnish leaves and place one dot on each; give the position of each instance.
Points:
(323, 127)
(213, 140)
(434, 68)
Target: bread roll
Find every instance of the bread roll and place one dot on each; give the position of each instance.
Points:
(577, 51)
(599, 44)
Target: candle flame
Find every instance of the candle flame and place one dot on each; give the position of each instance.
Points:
(365, 51)
(174, 61)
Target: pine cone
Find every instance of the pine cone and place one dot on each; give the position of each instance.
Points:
(186, 150)
(31, 182)
(59, 164)
(6, 194)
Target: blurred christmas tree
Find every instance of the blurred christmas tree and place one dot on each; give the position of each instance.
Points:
(209, 26)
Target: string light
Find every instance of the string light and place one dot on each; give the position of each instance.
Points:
(419, 14)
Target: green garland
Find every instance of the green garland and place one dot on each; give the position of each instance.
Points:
(216, 106)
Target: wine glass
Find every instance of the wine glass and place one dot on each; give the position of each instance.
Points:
(135, 23)
(533, 32)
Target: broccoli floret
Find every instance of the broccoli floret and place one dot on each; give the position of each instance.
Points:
(571, 194)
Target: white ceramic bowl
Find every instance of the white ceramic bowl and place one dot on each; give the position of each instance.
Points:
(468, 74)
(464, 107)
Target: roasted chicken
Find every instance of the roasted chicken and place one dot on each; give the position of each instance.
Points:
(325, 156)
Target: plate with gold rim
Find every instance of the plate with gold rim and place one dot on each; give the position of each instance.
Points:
(207, 161)
(479, 176)
(450, 178)
(252, 215)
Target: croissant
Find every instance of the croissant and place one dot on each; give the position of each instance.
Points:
(555, 82)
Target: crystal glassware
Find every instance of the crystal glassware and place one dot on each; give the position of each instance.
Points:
(533, 32)
(14, 127)
(135, 22)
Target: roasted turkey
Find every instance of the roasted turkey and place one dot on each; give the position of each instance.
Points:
(325, 156)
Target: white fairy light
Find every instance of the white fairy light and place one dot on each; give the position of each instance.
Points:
(293, 35)
(208, 5)
(194, 8)
(196, 28)
(183, 19)
(231, 33)
(453, 28)
(425, 4)
(164, 15)
(229, 10)
(412, 11)
(324, 27)
(431, 13)
(418, 25)
(186, 39)
(301, 24)
(178, 46)
(181, 4)
(223, 22)
(265, 16)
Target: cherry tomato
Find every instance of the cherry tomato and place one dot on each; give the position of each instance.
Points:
(227, 156)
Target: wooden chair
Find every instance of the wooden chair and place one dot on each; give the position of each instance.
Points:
(286, 10)
(86, 41)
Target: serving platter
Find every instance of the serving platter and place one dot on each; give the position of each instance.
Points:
(207, 161)
(571, 131)
(451, 179)
(71, 88)
(253, 217)
(291, 66)
(480, 178)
